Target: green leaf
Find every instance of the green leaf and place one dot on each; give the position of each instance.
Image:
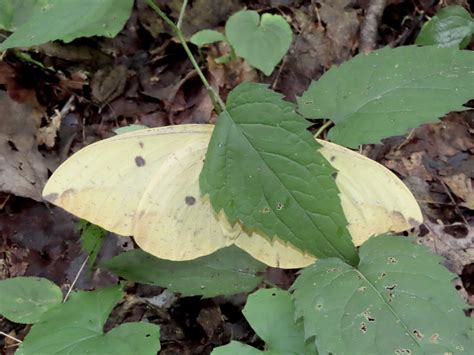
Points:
(451, 27)
(225, 272)
(399, 300)
(76, 327)
(67, 20)
(236, 348)
(263, 168)
(25, 299)
(129, 128)
(270, 312)
(204, 37)
(261, 42)
(92, 238)
(14, 13)
(388, 91)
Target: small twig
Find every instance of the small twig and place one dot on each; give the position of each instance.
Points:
(322, 128)
(370, 26)
(277, 78)
(75, 279)
(217, 102)
(10, 337)
(181, 14)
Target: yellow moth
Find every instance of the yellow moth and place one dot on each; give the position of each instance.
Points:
(146, 184)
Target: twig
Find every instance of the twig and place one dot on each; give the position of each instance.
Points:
(217, 102)
(10, 337)
(322, 128)
(75, 279)
(369, 30)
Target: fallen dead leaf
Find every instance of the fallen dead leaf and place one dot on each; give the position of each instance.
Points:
(23, 169)
(461, 186)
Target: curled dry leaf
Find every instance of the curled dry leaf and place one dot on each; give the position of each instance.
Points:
(22, 168)
(167, 161)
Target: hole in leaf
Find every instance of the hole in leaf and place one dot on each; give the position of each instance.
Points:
(418, 334)
(392, 260)
(391, 288)
(363, 327)
(434, 338)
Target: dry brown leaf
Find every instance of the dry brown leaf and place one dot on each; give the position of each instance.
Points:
(22, 168)
(461, 186)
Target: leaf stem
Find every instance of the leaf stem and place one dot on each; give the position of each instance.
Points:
(181, 14)
(10, 337)
(322, 128)
(217, 102)
(75, 279)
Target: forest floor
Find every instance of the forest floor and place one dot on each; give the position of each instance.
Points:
(87, 88)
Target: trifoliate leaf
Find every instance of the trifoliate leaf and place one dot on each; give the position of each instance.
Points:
(226, 272)
(204, 37)
(262, 42)
(399, 300)
(270, 312)
(388, 91)
(76, 327)
(52, 20)
(452, 26)
(25, 299)
(264, 170)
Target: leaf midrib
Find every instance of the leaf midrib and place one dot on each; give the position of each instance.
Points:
(242, 133)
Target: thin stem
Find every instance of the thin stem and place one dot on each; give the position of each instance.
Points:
(322, 128)
(217, 102)
(75, 279)
(10, 337)
(181, 14)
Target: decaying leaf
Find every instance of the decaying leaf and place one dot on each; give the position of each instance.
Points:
(22, 168)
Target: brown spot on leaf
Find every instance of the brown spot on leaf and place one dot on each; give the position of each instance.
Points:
(139, 161)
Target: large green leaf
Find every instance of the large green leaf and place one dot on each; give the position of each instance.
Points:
(14, 13)
(225, 272)
(271, 312)
(388, 91)
(452, 26)
(75, 327)
(399, 300)
(264, 170)
(261, 42)
(25, 299)
(52, 20)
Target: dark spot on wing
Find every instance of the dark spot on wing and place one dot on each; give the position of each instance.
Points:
(332, 158)
(139, 161)
(140, 144)
(190, 200)
(334, 175)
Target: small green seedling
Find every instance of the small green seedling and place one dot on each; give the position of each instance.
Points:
(261, 41)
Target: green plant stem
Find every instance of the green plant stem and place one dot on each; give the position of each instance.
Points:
(322, 128)
(217, 102)
(181, 14)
